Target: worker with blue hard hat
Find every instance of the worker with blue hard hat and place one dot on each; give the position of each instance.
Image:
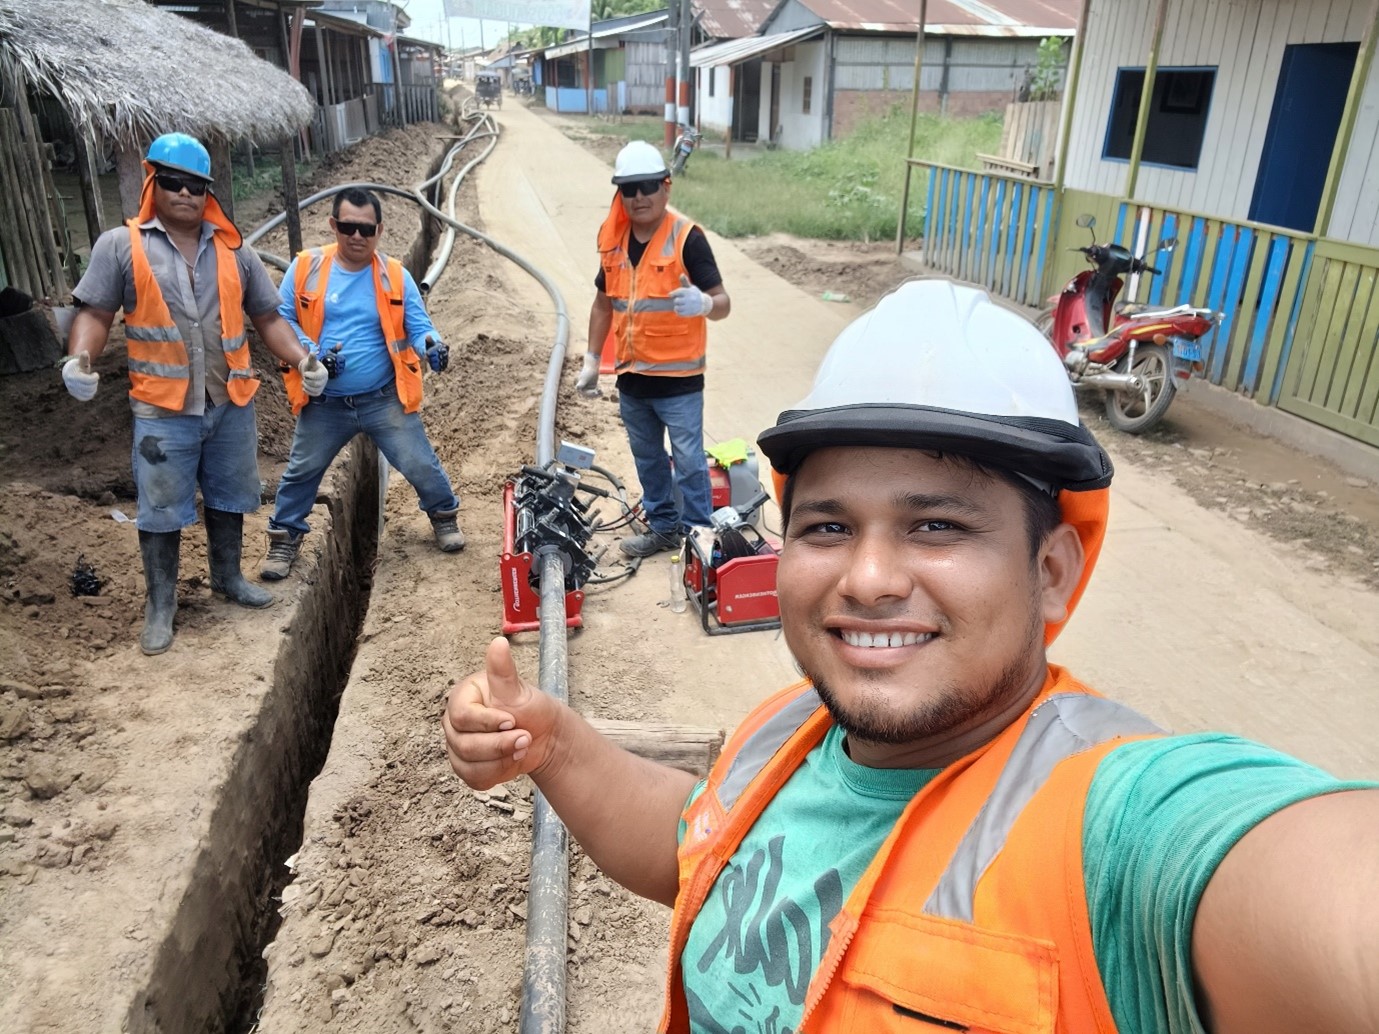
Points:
(937, 829)
(178, 272)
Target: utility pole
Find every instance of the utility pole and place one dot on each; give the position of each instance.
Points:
(686, 29)
(672, 58)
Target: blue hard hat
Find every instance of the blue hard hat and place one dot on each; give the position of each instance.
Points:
(181, 152)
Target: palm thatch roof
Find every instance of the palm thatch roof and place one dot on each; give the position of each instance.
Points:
(130, 70)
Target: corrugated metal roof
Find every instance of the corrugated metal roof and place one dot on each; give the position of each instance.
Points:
(732, 19)
(574, 46)
(951, 17)
(733, 51)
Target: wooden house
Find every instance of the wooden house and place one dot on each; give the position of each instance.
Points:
(1249, 131)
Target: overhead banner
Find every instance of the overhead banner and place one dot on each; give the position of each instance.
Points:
(564, 14)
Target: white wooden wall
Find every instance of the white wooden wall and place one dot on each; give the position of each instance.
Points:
(1355, 216)
(714, 112)
(1244, 40)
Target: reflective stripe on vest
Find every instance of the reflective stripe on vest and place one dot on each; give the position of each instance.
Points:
(159, 365)
(649, 338)
(1063, 725)
(762, 745)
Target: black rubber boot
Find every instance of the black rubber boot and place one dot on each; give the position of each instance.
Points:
(225, 544)
(160, 551)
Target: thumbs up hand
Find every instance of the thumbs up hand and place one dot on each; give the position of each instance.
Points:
(689, 301)
(496, 725)
(314, 375)
(80, 379)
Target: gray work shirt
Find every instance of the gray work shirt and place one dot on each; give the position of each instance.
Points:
(192, 295)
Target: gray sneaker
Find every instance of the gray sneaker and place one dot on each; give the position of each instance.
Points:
(283, 547)
(649, 544)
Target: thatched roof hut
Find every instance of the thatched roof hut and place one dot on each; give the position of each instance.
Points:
(122, 71)
(130, 70)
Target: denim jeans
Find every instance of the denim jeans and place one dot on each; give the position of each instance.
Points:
(218, 450)
(647, 421)
(326, 426)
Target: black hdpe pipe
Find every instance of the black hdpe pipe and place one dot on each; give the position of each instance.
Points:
(543, 975)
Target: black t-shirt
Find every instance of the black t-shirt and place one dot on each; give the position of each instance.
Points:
(703, 273)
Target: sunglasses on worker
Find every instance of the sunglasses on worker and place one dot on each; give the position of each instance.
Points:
(350, 229)
(176, 184)
(643, 187)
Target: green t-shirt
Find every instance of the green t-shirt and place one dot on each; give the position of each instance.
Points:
(1161, 814)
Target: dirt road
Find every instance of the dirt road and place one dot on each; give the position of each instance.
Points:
(135, 788)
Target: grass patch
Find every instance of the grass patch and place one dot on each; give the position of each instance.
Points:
(847, 189)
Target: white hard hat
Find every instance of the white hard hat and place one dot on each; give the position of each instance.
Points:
(639, 160)
(939, 365)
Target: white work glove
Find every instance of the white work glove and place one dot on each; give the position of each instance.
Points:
(587, 383)
(80, 380)
(314, 375)
(689, 301)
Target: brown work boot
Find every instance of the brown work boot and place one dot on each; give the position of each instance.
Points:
(283, 547)
(446, 525)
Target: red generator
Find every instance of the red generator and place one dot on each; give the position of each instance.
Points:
(733, 587)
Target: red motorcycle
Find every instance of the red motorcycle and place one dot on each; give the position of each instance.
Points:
(1130, 352)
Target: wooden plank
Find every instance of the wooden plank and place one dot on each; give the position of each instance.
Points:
(1165, 262)
(1248, 313)
(977, 260)
(1045, 225)
(1338, 344)
(1304, 293)
(1315, 344)
(1188, 289)
(1007, 263)
(1224, 236)
(1268, 312)
(1366, 407)
(90, 185)
(1235, 285)
(24, 205)
(46, 208)
(993, 247)
(1361, 339)
(23, 273)
(1365, 432)
(1029, 283)
(689, 748)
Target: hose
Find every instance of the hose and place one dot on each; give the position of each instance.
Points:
(543, 976)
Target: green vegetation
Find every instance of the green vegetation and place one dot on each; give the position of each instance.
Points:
(268, 175)
(848, 189)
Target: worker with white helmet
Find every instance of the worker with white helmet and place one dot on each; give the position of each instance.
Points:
(179, 272)
(938, 830)
(657, 287)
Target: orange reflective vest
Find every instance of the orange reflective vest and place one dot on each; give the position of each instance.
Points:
(313, 274)
(649, 337)
(159, 366)
(973, 914)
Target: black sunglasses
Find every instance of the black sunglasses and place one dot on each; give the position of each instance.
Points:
(644, 187)
(350, 229)
(176, 184)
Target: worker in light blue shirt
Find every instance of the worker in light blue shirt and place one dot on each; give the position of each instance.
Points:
(360, 314)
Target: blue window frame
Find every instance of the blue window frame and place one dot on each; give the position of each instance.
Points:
(1177, 116)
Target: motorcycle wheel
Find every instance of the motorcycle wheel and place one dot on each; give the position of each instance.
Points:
(1135, 412)
(678, 165)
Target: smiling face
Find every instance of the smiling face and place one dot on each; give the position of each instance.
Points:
(908, 593)
(356, 251)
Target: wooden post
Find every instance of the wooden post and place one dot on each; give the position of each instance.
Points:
(290, 199)
(914, 123)
(732, 112)
(90, 184)
(231, 22)
(223, 174)
(1358, 78)
(686, 747)
(129, 157)
(1060, 158)
(1151, 70)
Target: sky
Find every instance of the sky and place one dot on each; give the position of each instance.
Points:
(429, 23)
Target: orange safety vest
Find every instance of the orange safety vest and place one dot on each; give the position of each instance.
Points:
(159, 367)
(313, 274)
(650, 338)
(973, 914)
